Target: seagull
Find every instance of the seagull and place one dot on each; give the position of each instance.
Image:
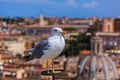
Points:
(49, 48)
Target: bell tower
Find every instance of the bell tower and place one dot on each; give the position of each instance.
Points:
(42, 22)
(96, 45)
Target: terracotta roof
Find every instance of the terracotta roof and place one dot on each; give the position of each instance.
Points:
(10, 69)
(2, 35)
(62, 26)
(118, 68)
(85, 52)
(118, 65)
(116, 58)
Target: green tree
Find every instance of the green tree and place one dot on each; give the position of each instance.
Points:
(93, 28)
(69, 29)
(80, 42)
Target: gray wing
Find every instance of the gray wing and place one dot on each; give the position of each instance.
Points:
(38, 51)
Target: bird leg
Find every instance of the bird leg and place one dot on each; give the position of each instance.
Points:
(53, 66)
(47, 67)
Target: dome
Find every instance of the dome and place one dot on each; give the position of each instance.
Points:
(97, 66)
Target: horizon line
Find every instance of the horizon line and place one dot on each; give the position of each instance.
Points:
(58, 16)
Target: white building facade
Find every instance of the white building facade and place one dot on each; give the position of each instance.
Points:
(14, 45)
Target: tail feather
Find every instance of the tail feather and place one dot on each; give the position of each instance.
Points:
(27, 58)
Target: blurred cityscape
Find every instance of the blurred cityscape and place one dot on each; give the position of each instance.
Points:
(78, 61)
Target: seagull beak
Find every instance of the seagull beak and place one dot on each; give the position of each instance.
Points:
(63, 32)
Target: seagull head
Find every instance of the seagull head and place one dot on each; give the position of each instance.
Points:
(57, 31)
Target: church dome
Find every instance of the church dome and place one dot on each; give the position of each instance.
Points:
(97, 66)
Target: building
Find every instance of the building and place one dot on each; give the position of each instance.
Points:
(13, 68)
(35, 30)
(42, 22)
(83, 22)
(97, 66)
(110, 40)
(14, 44)
(18, 73)
(108, 25)
(108, 32)
(72, 63)
(117, 25)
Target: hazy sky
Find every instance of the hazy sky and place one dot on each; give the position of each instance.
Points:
(70, 8)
